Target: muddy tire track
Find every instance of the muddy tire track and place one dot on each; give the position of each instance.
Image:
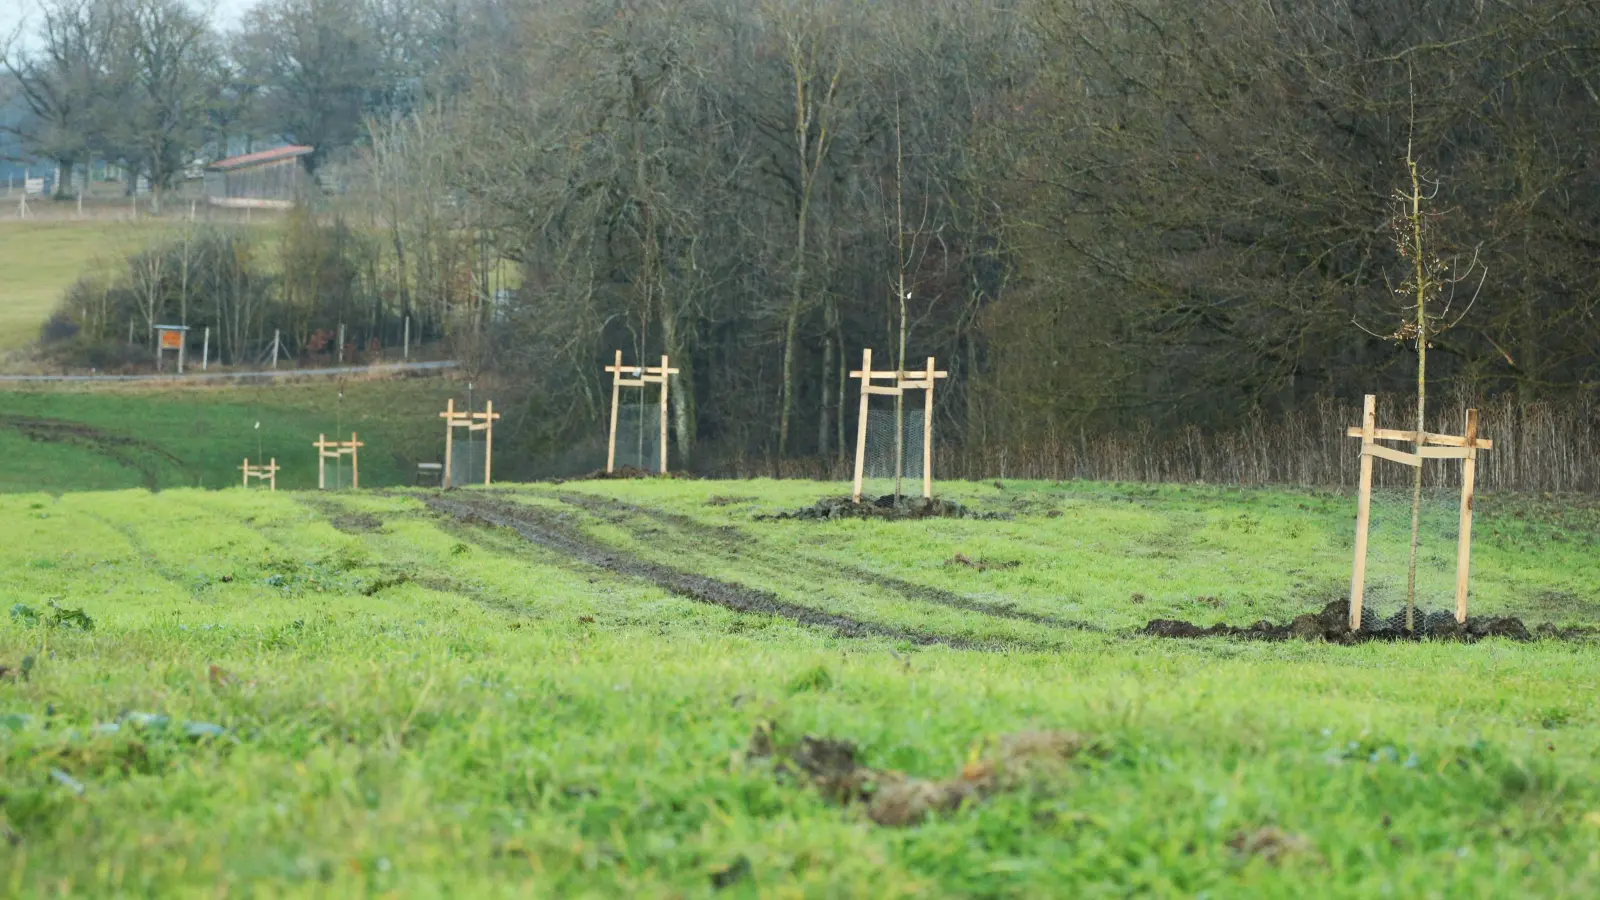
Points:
(120, 448)
(340, 517)
(545, 530)
(732, 539)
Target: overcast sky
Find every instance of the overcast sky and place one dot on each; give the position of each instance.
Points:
(12, 12)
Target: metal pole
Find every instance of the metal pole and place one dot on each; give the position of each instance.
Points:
(183, 344)
(406, 353)
(205, 351)
(341, 343)
(275, 333)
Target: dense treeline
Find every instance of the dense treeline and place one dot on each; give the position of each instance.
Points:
(315, 277)
(1099, 215)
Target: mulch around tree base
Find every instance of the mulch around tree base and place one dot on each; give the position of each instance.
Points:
(1332, 625)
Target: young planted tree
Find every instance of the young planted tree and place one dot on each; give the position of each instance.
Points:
(1427, 296)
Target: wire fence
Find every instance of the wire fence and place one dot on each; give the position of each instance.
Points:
(879, 461)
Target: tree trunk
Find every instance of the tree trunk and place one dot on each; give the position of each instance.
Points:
(1421, 270)
(681, 397)
(827, 372)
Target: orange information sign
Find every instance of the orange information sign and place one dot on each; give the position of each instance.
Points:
(171, 340)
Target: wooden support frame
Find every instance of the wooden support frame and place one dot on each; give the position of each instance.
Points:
(472, 421)
(1464, 447)
(640, 376)
(267, 473)
(327, 450)
(903, 380)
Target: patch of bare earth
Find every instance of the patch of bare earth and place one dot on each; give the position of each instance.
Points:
(893, 799)
(888, 507)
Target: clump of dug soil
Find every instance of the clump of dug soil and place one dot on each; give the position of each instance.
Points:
(622, 473)
(894, 799)
(1332, 624)
(885, 507)
(982, 564)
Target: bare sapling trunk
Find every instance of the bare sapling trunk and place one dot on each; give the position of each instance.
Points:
(1420, 275)
(900, 297)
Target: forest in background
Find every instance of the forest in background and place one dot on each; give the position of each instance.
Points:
(1103, 217)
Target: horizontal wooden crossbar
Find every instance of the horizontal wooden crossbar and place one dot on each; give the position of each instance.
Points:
(647, 375)
(1448, 452)
(1444, 440)
(892, 375)
(1399, 456)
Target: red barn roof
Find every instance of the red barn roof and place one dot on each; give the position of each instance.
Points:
(262, 156)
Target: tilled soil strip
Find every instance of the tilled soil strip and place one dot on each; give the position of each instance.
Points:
(731, 537)
(539, 528)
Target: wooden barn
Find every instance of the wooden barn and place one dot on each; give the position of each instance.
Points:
(268, 179)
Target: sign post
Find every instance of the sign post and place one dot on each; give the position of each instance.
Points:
(170, 337)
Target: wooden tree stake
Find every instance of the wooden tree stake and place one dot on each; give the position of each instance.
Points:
(902, 382)
(327, 450)
(611, 434)
(1358, 578)
(927, 435)
(664, 384)
(642, 375)
(449, 415)
(267, 473)
(861, 421)
(1469, 476)
(471, 421)
(1464, 447)
(488, 415)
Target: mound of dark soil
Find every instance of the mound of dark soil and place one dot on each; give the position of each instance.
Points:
(885, 507)
(621, 473)
(1333, 625)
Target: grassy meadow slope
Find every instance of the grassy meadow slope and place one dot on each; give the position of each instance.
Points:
(355, 694)
(102, 437)
(40, 260)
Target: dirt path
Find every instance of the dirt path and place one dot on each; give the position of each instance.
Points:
(736, 545)
(545, 530)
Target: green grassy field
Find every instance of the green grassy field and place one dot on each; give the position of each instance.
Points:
(40, 260)
(102, 438)
(389, 694)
